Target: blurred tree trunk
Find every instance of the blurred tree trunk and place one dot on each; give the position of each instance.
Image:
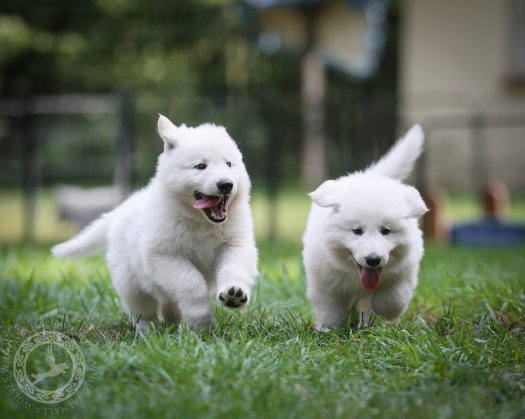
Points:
(313, 92)
(313, 95)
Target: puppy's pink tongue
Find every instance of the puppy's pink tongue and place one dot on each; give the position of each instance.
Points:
(370, 278)
(207, 202)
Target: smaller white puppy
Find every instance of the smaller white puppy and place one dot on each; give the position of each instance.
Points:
(186, 233)
(362, 244)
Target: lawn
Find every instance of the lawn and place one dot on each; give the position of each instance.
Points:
(459, 352)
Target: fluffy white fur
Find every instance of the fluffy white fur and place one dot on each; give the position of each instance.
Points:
(170, 243)
(362, 244)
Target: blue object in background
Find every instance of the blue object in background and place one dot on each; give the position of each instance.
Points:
(489, 232)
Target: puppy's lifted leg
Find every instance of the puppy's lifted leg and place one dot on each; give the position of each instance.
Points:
(364, 308)
(183, 286)
(236, 276)
(330, 310)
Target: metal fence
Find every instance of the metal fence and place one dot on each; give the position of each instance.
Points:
(105, 140)
(466, 151)
(80, 139)
(108, 140)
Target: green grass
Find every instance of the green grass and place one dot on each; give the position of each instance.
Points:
(459, 352)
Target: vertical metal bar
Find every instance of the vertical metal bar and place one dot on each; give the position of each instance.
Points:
(30, 171)
(479, 152)
(421, 176)
(272, 170)
(123, 176)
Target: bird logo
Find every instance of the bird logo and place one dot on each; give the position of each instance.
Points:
(54, 368)
(36, 379)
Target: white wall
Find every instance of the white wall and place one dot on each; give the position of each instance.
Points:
(455, 63)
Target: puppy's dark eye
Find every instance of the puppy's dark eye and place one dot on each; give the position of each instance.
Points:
(200, 166)
(229, 163)
(385, 231)
(357, 231)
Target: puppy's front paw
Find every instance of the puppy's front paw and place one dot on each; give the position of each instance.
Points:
(366, 320)
(233, 296)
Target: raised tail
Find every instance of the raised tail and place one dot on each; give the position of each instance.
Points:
(91, 240)
(399, 162)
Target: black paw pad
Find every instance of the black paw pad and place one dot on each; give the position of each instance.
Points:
(233, 297)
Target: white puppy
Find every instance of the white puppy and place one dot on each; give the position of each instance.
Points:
(190, 230)
(362, 243)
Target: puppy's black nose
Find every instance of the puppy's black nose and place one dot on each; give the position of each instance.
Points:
(373, 260)
(224, 186)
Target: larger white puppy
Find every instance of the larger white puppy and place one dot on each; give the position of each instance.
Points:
(189, 231)
(362, 244)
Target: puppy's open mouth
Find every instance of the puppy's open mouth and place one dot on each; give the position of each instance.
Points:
(215, 207)
(370, 277)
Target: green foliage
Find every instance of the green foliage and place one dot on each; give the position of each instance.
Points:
(458, 352)
(91, 45)
(195, 61)
(134, 46)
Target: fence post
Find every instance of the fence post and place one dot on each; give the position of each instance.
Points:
(30, 170)
(123, 176)
(479, 152)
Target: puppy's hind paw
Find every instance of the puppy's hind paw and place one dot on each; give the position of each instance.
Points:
(233, 296)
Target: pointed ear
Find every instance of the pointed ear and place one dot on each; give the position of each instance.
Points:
(327, 195)
(168, 132)
(414, 203)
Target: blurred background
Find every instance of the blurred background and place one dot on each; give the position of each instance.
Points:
(310, 90)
